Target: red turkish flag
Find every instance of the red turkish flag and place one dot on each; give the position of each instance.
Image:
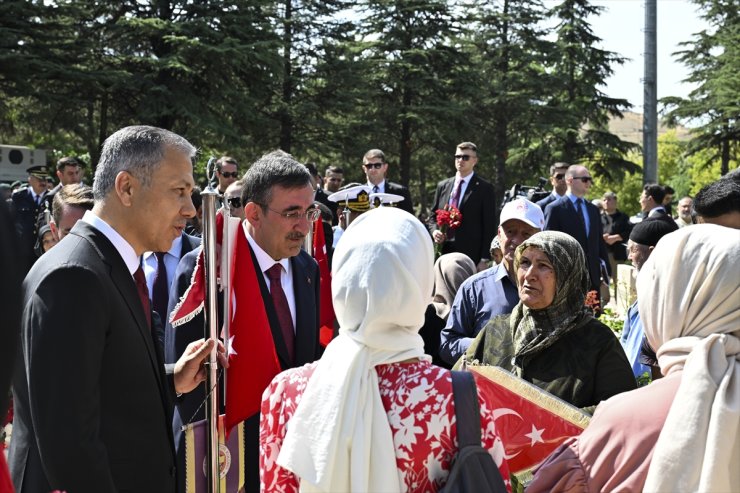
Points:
(326, 308)
(253, 361)
(530, 421)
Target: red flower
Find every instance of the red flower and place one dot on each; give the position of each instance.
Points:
(448, 219)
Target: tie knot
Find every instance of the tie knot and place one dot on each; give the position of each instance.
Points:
(160, 255)
(274, 272)
(139, 276)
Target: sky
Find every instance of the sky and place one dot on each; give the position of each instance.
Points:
(621, 26)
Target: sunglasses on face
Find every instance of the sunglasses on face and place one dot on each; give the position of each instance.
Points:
(234, 202)
(229, 174)
(373, 165)
(559, 176)
(463, 157)
(584, 179)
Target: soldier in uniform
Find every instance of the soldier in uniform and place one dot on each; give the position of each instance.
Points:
(26, 204)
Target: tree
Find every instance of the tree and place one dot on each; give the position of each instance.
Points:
(576, 108)
(713, 57)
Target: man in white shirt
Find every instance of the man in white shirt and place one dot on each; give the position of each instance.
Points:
(376, 167)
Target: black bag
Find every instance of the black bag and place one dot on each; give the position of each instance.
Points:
(473, 469)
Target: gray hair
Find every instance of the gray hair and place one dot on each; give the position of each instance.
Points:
(138, 150)
(275, 168)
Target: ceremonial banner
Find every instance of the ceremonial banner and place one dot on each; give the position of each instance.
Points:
(230, 458)
(530, 421)
(253, 361)
(326, 307)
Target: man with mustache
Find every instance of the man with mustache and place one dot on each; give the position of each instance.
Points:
(278, 202)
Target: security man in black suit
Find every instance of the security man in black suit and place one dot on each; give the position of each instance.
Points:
(473, 197)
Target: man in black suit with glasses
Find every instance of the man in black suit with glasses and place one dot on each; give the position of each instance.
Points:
(473, 197)
(376, 167)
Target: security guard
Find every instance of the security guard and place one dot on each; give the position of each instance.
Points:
(26, 204)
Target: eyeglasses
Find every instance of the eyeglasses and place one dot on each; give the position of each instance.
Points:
(229, 174)
(463, 157)
(234, 202)
(559, 176)
(584, 179)
(310, 215)
(373, 165)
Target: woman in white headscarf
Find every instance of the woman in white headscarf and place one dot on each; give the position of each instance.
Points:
(682, 432)
(373, 414)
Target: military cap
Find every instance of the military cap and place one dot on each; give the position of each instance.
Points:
(378, 199)
(355, 198)
(39, 171)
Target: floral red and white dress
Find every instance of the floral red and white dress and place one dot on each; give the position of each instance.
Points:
(418, 400)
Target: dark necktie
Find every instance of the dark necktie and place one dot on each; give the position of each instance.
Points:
(282, 308)
(579, 210)
(160, 290)
(140, 280)
(375, 189)
(455, 197)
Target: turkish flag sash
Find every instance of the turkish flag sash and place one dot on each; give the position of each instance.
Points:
(530, 421)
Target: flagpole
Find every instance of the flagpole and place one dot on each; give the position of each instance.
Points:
(209, 196)
(308, 240)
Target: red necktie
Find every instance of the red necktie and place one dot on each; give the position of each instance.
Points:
(160, 290)
(140, 280)
(282, 308)
(455, 197)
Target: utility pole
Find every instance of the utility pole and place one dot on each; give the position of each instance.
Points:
(650, 96)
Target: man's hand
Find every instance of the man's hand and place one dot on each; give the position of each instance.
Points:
(438, 236)
(190, 369)
(483, 265)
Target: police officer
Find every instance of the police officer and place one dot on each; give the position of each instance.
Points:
(26, 204)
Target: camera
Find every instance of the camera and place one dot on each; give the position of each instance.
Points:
(531, 193)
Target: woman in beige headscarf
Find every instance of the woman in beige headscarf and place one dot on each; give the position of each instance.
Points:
(450, 270)
(682, 432)
(373, 414)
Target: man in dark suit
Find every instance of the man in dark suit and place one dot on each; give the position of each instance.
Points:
(473, 196)
(557, 180)
(278, 198)
(581, 219)
(26, 204)
(92, 394)
(376, 167)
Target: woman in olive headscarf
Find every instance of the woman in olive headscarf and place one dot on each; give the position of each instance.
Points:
(551, 338)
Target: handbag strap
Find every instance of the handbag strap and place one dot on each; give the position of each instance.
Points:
(467, 411)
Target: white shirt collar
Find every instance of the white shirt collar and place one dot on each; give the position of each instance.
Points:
(464, 180)
(124, 248)
(263, 258)
(174, 250)
(381, 185)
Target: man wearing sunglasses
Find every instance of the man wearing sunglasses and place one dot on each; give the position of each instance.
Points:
(580, 219)
(227, 172)
(473, 197)
(376, 167)
(557, 180)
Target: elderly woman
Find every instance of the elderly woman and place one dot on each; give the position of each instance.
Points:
(373, 414)
(682, 432)
(450, 270)
(551, 338)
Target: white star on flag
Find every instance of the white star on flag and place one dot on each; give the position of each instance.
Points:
(535, 435)
(231, 347)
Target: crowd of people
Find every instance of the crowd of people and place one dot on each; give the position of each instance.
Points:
(105, 378)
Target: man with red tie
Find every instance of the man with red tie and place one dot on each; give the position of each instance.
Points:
(473, 197)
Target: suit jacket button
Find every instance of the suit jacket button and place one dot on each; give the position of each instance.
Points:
(172, 471)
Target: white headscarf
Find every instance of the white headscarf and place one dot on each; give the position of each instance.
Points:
(688, 293)
(339, 438)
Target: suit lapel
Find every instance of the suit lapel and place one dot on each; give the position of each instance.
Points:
(447, 192)
(305, 312)
(472, 184)
(126, 286)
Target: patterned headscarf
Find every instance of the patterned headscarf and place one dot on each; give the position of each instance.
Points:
(450, 270)
(536, 330)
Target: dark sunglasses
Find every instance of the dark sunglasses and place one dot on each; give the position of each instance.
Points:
(373, 165)
(234, 202)
(463, 157)
(559, 176)
(584, 179)
(229, 174)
